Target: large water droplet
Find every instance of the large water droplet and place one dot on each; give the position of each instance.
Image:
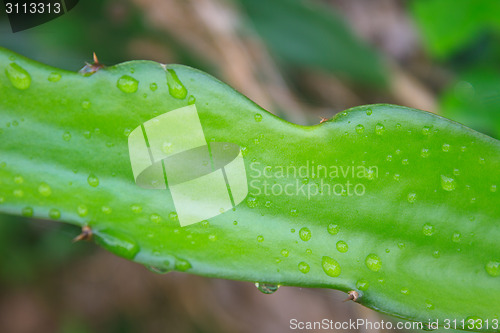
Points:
(175, 86)
(93, 180)
(304, 267)
(447, 183)
(117, 242)
(373, 262)
(330, 266)
(127, 84)
(54, 214)
(267, 288)
(493, 268)
(44, 189)
(18, 76)
(305, 234)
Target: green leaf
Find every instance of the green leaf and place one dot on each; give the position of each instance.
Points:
(305, 34)
(447, 26)
(415, 231)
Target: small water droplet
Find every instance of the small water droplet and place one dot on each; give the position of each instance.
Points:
(27, 211)
(424, 152)
(267, 288)
(182, 265)
(389, 158)
(304, 267)
(54, 77)
(369, 112)
(82, 210)
(405, 291)
(87, 134)
(66, 136)
(429, 305)
(173, 216)
(175, 86)
(252, 202)
(44, 189)
(285, 252)
(54, 214)
(426, 130)
(379, 129)
(456, 237)
(481, 160)
(445, 147)
(330, 266)
(305, 234)
(117, 242)
(191, 100)
(18, 76)
(18, 179)
(258, 117)
(493, 268)
(412, 197)
(106, 209)
(333, 229)
(373, 262)
(362, 285)
(360, 129)
(342, 246)
(155, 218)
(396, 177)
(493, 188)
(405, 161)
(260, 238)
(428, 229)
(93, 180)
(436, 254)
(447, 183)
(86, 105)
(127, 84)
(153, 86)
(205, 223)
(18, 193)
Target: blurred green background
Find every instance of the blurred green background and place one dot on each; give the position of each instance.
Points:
(302, 60)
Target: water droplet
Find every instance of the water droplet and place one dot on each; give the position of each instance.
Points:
(258, 117)
(360, 129)
(389, 158)
(18, 193)
(205, 223)
(396, 177)
(412, 197)
(373, 262)
(429, 305)
(127, 84)
(342, 246)
(252, 202)
(117, 242)
(379, 129)
(18, 179)
(235, 222)
(191, 100)
(369, 112)
(426, 130)
(405, 291)
(54, 214)
(330, 266)
(44, 189)
(87, 134)
(445, 147)
(436, 254)
(405, 161)
(305, 234)
(267, 288)
(155, 218)
(493, 188)
(493, 268)
(447, 183)
(456, 237)
(260, 238)
(27, 211)
(481, 160)
(182, 265)
(106, 209)
(456, 172)
(173, 216)
(424, 152)
(304, 267)
(285, 253)
(66, 136)
(362, 285)
(82, 210)
(93, 180)
(212, 238)
(153, 86)
(2, 200)
(175, 86)
(428, 229)
(333, 229)
(18, 76)
(54, 77)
